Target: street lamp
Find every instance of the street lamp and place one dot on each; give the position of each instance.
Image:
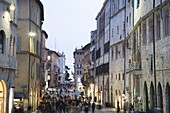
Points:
(32, 34)
(12, 7)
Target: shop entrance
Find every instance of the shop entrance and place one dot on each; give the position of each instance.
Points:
(2, 97)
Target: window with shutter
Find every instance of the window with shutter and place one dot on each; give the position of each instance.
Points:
(166, 23)
(144, 34)
(1, 42)
(158, 36)
(151, 30)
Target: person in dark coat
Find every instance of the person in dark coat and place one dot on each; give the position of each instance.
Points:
(93, 107)
(86, 109)
(118, 108)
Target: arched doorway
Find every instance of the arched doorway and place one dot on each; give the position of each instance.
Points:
(160, 97)
(167, 96)
(145, 98)
(2, 97)
(151, 96)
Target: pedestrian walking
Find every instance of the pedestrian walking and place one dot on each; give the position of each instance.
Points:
(57, 106)
(40, 107)
(93, 107)
(118, 108)
(86, 109)
(80, 105)
(89, 105)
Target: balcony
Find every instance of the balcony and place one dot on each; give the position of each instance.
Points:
(8, 62)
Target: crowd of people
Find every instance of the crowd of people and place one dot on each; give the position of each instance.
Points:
(64, 104)
(51, 103)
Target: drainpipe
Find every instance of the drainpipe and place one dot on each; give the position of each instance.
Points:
(154, 58)
(95, 63)
(124, 42)
(29, 57)
(109, 59)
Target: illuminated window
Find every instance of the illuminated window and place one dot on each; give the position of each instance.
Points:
(78, 80)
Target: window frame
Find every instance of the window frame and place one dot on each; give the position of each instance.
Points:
(2, 38)
(144, 33)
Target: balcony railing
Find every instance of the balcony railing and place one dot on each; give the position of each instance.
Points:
(8, 62)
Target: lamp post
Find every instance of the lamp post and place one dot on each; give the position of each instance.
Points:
(124, 101)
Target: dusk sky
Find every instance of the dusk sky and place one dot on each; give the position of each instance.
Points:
(68, 24)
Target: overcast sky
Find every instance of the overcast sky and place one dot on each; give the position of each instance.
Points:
(68, 24)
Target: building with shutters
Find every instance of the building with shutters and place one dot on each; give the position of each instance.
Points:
(8, 61)
(27, 85)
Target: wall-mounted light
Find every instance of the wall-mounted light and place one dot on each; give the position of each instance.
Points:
(12, 7)
(49, 57)
(32, 34)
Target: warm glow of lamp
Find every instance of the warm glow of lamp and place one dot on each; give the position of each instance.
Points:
(32, 34)
(123, 95)
(49, 57)
(12, 7)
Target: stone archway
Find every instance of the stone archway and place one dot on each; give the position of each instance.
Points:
(2, 97)
(160, 97)
(145, 98)
(167, 98)
(151, 96)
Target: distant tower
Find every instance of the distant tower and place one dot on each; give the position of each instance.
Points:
(78, 68)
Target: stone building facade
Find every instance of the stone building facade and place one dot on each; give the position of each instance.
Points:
(30, 18)
(78, 68)
(8, 61)
(139, 54)
(53, 70)
(62, 69)
(117, 53)
(92, 67)
(44, 61)
(86, 75)
(102, 53)
(150, 58)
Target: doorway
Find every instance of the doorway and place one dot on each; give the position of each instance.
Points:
(2, 97)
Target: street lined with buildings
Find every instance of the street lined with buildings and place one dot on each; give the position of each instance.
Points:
(125, 66)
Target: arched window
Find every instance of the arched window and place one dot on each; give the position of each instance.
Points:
(1, 42)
